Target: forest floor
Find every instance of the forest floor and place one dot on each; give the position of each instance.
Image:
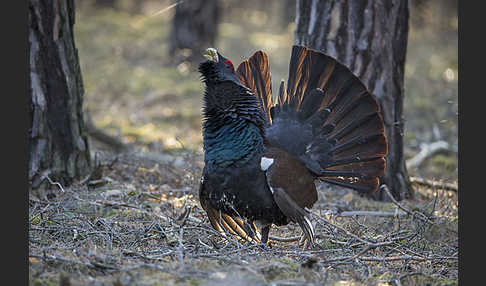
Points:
(136, 220)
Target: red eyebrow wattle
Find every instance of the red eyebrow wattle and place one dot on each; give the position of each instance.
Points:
(230, 63)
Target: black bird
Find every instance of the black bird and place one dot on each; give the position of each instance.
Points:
(262, 159)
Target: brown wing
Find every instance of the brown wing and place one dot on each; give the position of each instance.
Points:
(288, 172)
(254, 73)
(328, 119)
(293, 188)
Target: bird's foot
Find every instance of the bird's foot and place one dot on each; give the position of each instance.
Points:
(305, 243)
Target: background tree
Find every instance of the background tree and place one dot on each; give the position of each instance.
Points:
(370, 37)
(194, 28)
(58, 145)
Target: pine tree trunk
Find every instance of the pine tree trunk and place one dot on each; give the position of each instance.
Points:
(58, 145)
(194, 29)
(370, 37)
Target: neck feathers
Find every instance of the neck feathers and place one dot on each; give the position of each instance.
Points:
(233, 127)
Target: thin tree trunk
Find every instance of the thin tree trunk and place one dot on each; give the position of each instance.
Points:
(370, 37)
(194, 29)
(58, 145)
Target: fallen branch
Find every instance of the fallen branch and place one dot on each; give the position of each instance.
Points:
(367, 242)
(407, 257)
(46, 176)
(433, 184)
(427, 151)
(370, 213)
(389, 258)
(353, 257)
(284, 239)
(103, 137)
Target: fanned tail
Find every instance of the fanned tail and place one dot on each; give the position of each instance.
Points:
(330, 121)
(254, 73)
(325, 116)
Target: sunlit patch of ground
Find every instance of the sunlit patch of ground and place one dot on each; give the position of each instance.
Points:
(141, 222)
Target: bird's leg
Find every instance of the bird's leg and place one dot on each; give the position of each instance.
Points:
(265, 232)
(306, 244)
(250, 229)
(302, 239)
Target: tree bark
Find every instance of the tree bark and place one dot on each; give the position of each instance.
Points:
(370, 37)
(194, 29)
(58, 145)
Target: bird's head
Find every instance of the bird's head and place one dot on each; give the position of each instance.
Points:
(217, 68)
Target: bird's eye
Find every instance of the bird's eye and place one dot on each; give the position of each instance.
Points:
(229, 64)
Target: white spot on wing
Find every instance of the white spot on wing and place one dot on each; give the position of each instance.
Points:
(265, 163)
(271, 189)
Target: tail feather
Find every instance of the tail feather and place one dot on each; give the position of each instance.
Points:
(282, 94)
(307, 71)
(254, 73)
(297, 74)
(362, 186)
(359, 169)
(355, 143)
(281, 99)
(317, 121)
(341, 125)
(362, 147)
(311, 103)
(348, 128)
(325, 114)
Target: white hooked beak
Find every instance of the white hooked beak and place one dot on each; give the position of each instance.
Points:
(211, 54)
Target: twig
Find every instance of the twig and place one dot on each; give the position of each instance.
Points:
(284, 239)
(115, 204)
(54, 183)
(342, 229)
(180, 249)
(419, 215)
(220, 257)
(152, 257)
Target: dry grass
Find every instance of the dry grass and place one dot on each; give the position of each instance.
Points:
(140, 223)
